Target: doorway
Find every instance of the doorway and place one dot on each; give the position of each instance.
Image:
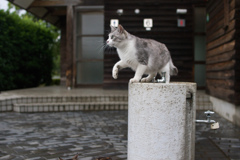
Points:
(200, 47)
(88, 46)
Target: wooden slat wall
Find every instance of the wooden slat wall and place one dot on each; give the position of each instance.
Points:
(223, 72)
(178, 40)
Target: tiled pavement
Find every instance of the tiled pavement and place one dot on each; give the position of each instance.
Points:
(220, 144)
(92, 133)
(97, 133)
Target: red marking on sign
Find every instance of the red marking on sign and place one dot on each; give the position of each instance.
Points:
(181, 22)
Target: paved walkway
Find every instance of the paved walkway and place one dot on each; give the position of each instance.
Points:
(97, 133)
(93, 134)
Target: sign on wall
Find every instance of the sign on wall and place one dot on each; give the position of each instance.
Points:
(148, 23)
(114, 22)
(181, 23)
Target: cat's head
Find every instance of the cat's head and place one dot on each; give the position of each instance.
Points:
(116, 36)
(74, 158)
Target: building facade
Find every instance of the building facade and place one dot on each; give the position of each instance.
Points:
(202, 36)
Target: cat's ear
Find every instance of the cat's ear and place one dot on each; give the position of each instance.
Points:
(112, 28)
(121, 29)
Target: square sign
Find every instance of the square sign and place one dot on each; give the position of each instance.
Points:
(181, 23)
(148, 23)
(114, 22)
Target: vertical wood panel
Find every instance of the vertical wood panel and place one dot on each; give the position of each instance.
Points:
(222, 50)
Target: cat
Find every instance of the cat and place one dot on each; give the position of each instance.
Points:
(144, 56)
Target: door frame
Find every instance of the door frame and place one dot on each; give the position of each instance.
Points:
(83, 9)
(197, 33)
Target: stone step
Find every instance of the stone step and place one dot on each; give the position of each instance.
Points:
(8, 103)
(49, 99)
(69, 106)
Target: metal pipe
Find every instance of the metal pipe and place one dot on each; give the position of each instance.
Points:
(208, 120)
(205, 121)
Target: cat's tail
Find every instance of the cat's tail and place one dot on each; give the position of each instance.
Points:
(173, 69)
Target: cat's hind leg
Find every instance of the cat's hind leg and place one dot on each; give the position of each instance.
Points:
(138, 74)
(149, 78)
(166, 69)
(167, 76)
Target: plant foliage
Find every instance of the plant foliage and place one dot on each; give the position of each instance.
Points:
(26, 49)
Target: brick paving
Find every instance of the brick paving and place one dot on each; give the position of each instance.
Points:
(220, 144)
(50, 135)
(91, 134)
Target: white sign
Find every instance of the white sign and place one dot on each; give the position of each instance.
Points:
(114, 22)
(148, 23)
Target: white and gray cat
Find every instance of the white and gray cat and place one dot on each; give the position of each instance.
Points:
(144, 56)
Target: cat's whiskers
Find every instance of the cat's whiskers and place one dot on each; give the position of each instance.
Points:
(107, 48)
(101, 48)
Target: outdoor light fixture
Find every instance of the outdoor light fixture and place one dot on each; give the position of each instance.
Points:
(137, 11)
(120, 12)
(181, 11)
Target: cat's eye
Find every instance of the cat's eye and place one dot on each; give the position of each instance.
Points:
(112, 36)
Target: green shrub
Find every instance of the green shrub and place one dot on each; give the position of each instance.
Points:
(25, 52)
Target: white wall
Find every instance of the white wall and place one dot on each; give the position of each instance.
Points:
(227, 110)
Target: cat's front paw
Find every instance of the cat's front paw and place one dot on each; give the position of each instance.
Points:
(115, 73)
(133, 80)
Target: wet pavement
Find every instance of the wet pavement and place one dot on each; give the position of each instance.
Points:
(92, 134)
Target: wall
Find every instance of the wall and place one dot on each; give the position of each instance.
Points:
(178, 40)
(222, 57)
(227, 110)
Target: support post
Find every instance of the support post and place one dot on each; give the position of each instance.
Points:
(161, 121)
(63, 55)
(69, 47)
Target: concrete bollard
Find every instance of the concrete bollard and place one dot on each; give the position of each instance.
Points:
(161, 121)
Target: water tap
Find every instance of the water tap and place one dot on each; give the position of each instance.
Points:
(214, 124)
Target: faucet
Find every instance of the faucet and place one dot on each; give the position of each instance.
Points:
(163, 80)
(214, 125)
(208, 120)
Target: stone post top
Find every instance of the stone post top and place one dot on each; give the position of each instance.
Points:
(190, 86)
(171, 83)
